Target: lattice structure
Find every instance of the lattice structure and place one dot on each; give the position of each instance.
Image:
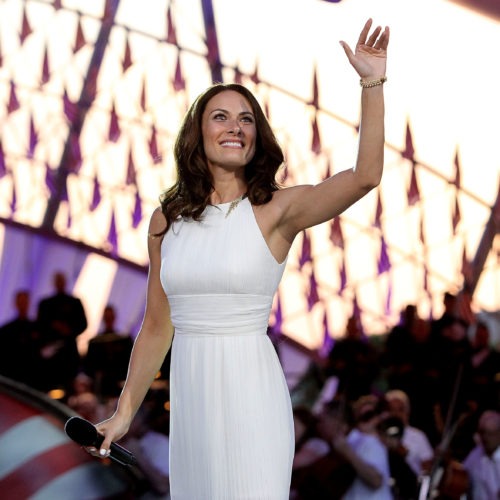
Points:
(85, 150)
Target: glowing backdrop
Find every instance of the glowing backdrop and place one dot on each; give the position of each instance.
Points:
(88, 171)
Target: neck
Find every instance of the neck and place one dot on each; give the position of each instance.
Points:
(228, 185)
(232, 193)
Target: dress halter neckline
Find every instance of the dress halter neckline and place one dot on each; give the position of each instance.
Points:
(232, 205)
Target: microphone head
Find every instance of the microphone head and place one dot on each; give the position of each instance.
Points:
(81, 431)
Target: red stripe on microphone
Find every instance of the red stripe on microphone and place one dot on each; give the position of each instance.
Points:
(27, 479)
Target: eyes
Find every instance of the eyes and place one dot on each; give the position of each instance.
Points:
(244, 118)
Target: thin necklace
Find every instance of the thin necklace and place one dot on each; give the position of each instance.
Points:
(233, 205)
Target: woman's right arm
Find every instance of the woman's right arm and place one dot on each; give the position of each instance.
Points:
(150, 347)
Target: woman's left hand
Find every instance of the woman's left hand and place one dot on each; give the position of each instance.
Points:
(370, 55)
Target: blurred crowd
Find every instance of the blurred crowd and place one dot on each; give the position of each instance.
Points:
(410, 415)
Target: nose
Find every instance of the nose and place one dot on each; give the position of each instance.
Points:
(235, 128)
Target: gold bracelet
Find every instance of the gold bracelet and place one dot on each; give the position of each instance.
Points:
(373, 83)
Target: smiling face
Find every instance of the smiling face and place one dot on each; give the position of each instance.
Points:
(229, 131)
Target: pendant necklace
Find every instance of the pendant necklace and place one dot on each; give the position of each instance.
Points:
(233, 205)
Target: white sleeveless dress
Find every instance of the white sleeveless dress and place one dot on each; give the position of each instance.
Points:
(231, 425)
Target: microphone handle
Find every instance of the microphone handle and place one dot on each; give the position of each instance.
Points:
(117, 453)
(121, 455)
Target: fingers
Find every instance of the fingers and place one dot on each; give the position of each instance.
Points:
(97, 453)
(383, 40)
(349, 53)
(104, 450)
(364, 32)
(378, 39)
(373, 37)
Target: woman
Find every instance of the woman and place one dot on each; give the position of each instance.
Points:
(217, 249)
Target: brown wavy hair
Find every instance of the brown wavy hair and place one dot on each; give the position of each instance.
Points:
(190, 194)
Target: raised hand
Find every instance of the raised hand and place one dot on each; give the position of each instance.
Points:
(370, 55)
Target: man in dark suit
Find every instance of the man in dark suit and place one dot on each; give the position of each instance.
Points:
(20, 344)
(61, 318)
(108, 356)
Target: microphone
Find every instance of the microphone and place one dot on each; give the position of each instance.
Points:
(85, 434)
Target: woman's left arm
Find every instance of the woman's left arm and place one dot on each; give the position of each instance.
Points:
(306, 206)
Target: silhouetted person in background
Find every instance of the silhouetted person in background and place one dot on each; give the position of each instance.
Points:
(485, 366)
(398, 346)
(450, 302)
(61, 318)
(454, 352)
(412, 365)
(20, 343)
(108, 356)
(354, 361)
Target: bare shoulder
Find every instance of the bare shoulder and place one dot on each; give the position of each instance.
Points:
(157, 223)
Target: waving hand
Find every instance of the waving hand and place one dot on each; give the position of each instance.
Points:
(370, 55)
